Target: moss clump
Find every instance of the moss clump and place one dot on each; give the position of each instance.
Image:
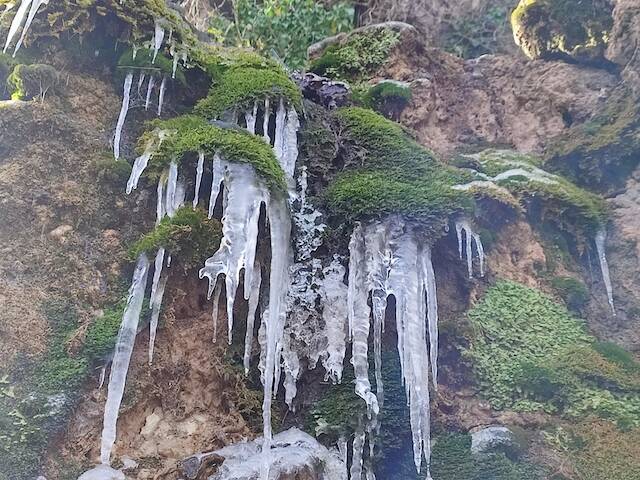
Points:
(388, 172)
(575, 28)
(29, 81)
(110, 172)
(603, 151)
(529, 353)
(549, 197)
(101, 334)
(388, 97)
(192, 134)
(241, 78)
(359, 56)
(573, 292)
(143, 64)
(189, 235)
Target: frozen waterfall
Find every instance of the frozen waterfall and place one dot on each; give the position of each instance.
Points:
(600, 240)
(467, 236)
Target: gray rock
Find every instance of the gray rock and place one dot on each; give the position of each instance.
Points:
(491, 438)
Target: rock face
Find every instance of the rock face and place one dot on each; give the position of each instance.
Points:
(295, 456)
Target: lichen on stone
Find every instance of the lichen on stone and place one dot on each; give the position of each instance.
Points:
(574, 28)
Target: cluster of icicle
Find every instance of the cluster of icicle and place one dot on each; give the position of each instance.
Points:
(153, 80)
(391, 258)
(467, 236)
(30, 6)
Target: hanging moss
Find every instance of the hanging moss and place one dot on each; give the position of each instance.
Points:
(575, 28)
(189, 236)
(247, 81)
(143, 64)
(387, 172)
(529, 353)
(359, 56)
(192, 134)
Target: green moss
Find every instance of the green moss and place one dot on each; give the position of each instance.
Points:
(602, 152)
(388, 172)
(239, 86)
(192, 134)
(29, 81)
(189, 235)
(102, 333)
(578, 28)
(573, 292)
(110, 172)
(359, 56)
(529, 353)
(143, 64)
(388, 97)
(552, 198)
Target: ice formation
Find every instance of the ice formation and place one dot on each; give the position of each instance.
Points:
(163, 86)
(18, 21)
(466, 236)
(128, 79)
(600, 240)
(334, 314)
(157, 292)
(357, 454)
(388, 258)
(122, 356)
(35, 5)
(152, 81)
(199, 171)
(140, 163)
(158, 37)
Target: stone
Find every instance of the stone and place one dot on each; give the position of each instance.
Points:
(491, 438)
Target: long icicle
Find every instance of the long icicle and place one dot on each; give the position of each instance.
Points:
(122, 356)
(163, 86)
(158, 37)
(32, 13)
(152, 81)
(218, 169)
(199, 171)
(16, 23)
(157, 292)
(254, 296)
(600, 240)
(123, 114)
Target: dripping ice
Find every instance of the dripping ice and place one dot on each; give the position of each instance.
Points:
(128, 79)
(466, 236)
(600, 240)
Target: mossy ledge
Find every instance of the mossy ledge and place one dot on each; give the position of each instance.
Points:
(387, 172)
(189, 235)
(193, 134)
(240, 78)
(142, 64)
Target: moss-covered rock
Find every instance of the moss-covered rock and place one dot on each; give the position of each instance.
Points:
(30, 81)
(575, 28)
(189, 236)
(387, 172)
(358, 55)
(190, 134)
(388, 97)
(602, 152)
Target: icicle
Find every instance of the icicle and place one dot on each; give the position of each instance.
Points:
(290, 142)
(218, 168)
(32, 13)
(122, 356)
(334, 314)
(158, 37)
(163, 85)
(278, 143)
(459, 235)
(134, 52)
(103, 372)
(601, 238)
(16, 23)
(280, 228)
(479, 251)
(217, 292)
(265, 121)
(140, 163)
(243, 198)
(172, 185)
(157, 292)
(356, 458)
(123, 114)
(170, 35)
(199, 171)
(152, 81)
(429, 279)
(344, 455)
(463, 229)
(254, 296)
(358, 312)
(250, 118)
(140, 82)
(291, 364)
(174, 67)
(160, 212)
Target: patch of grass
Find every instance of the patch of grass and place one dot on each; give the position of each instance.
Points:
(189, 235)
(192, 134)
(358, 57)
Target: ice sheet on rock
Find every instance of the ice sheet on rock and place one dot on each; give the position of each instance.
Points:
(357, 454)
(199, 172)
(128, 79)
(158, 38)
(334, 314)
(295, 454)
(122, 356)
(291, 367)
(244, 195)
(163, 86)
(102, 472)
(17, 22)
(218, 168)
(358, 314)
(600, 240)
(290, 142)
(35, 5)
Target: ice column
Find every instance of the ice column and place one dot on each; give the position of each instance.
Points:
(600, 240)
(123, 114)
